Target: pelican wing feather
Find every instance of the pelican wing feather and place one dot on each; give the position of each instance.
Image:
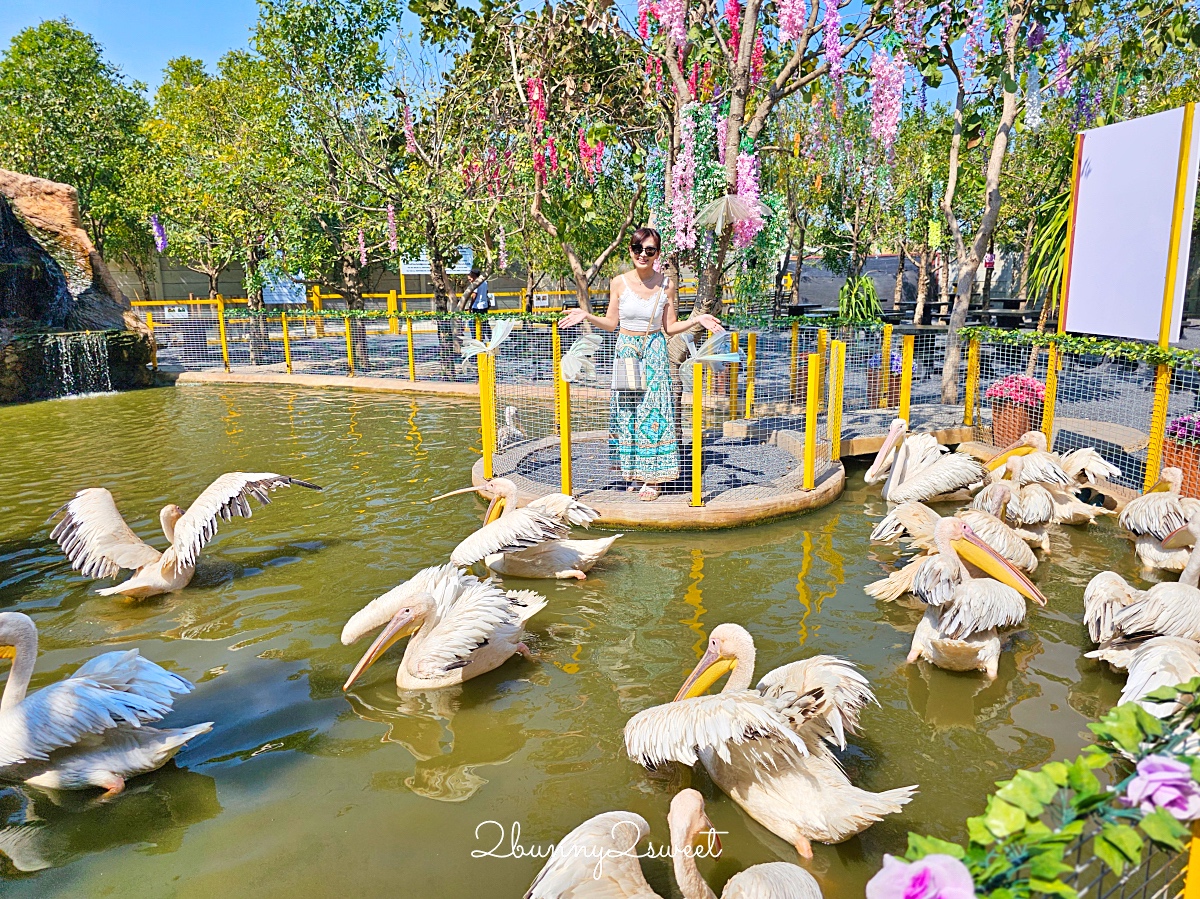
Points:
(935, 581)
(1105, 595)
(1160, 662)
(679, 731)
(1171, 609)
(945, 474)
(519, 529)
(914, 520)
(565, 508)
(1153, 514)
(382, 609)
(1086, 466)
(113, 689)
(981, 604)
(225, 498)
(95, 537)
(1043, 468)
(772, 880)
(1035, 506)
(596, 860)
(839, 687)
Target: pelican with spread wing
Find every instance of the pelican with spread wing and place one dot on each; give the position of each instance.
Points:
(918, 469)
(530, 541)
(461, 627)
(766, 747)
(99, 543)
(1046, 479)
(598, 859)
(1155, 514)
(89, 730)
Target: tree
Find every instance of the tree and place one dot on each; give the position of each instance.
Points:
(70, 116)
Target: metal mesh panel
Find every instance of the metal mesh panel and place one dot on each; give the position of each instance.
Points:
(1160, 875)
(186, 334)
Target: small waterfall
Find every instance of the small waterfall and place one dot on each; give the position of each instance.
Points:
(80, 361)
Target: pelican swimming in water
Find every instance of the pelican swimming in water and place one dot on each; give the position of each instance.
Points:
(1026, 509)
(1049, 483)
(964, 610)
(1155, 514)
(461, 627)
(919, 469)
(598, 859)
(766, 747)
(88, 730)
(99, 543)
(530, 541)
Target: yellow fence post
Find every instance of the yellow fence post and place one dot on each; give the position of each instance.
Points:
(733, 376)
(822, 351)
(810, 422)
(221, 330)
(487, 412)
(1158, 425)
(837, 381)
(563, 387)
(412, 362)
(555, 364)
(153, 340)
(906, 372)
(751, 345)
(972, 383)
(287, 345)
(1191, 883)
(479, 329)
(1052, 367)
(349, 348)
(794, 367)
(318, 320)
(885, 368)
(393, 322)
(697, 434)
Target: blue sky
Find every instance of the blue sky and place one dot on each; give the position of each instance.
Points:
(140, 36)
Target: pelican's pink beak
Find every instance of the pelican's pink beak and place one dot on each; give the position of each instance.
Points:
(972, 549)
(456, 493)
(894, 436)
(403, 624)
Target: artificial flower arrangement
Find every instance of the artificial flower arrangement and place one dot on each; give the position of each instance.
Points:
(897, 361)
(1185, 429)
(1181, 450)
(874, 385)
(1018, 847)
(1016, 407)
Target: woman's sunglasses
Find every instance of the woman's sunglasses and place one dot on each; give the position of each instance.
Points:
(640, 250)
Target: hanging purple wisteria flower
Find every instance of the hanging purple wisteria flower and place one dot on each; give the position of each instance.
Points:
(973, 51)
(1062, 78)
(393, 244)
(887, 92)
(502, 246)
(1037, 36)
(410, 137)
(160, 233)
(683, 182)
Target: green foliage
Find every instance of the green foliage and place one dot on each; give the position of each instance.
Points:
(1129, 350)
(858, 300)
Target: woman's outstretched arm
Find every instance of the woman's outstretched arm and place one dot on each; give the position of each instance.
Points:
(671, 322)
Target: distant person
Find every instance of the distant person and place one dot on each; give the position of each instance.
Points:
(481, 299)
(643, 304)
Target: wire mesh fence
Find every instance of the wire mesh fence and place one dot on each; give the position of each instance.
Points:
(1160, 875)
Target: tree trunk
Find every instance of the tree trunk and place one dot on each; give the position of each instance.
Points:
(1026, 250)
(898, 290)
(987, 274)
(351, 291)
(259, 335)
(922, 283)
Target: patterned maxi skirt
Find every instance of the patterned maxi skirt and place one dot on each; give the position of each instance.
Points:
(641, 435)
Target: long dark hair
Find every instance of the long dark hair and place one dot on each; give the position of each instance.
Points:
(642, 233)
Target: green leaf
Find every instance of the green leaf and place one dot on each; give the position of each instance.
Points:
(1109, 854)
(1051, 887)
(920, 846)
(1003, 818)
(1057, 772)
(1162, 827)
(1029, 791)
(978, 832)
(1081, 779)
(1123, 838)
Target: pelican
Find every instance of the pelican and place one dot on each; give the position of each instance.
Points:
(510, 432)
(1155, 514)
(1169, 609)
(1160, 662)
(1046, 486)
(461, 627)
(99, 543)
(89, 729)
(917, 521)
(528, 542)
(1041, 466)
(597, 859)
(766, 747)
(918, 469)
(958, 631)
(1027, 510)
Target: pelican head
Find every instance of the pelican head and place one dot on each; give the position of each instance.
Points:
(1185, 536)
(168, 516)
(18, 643)
(1029, 442)
(999, 497)
(407, 620)
(690, 825)
(729, 646)
(1170, 480)
(501, 493)
(956, 535)
(885, 458)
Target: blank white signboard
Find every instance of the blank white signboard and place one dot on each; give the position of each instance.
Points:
(1124, 207)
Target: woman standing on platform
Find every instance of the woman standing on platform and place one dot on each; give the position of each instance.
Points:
(643, 305)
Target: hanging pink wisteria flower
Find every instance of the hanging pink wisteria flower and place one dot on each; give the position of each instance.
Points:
(393, 245)
(673, 17)
(644, 19)
(692, 79)
(935, 876)
(747, 191)
(833, 44)
(552, 154)
(590, 158)
(362, 247)
(733, 15)
(537, 104)
(410, 137)
(160, 233)
(502, 247)
(792, 16)
(944, 11)
(683, 182)
(973, 50)
(887, 93)
(758, 60)
(722, 135)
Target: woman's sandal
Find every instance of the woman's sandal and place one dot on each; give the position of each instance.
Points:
(649, 493)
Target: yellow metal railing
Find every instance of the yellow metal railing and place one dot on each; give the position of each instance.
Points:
(751, 347)
(837, 381)
(1052, 367)
(697, 434)
(885, 368)
(810, 421)
(972, 383)
(908, 343)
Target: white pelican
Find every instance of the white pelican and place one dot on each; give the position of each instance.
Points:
(529, 541)
(958, 631)
(598, 859)
(1027, 510)
(766, 747)
(510, 432)
(1041, 466)
(99, 543)
(1160, 662)
(89, 729)
(461, 627)
(918, 469)
(1155, 514)
(1045, 489)
(916, 521)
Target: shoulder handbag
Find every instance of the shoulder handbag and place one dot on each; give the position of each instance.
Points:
(629, 373)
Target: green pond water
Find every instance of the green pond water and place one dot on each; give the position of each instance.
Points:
(302, 790)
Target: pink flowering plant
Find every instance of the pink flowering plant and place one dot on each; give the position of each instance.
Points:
(1019, 389)
(1185, 429)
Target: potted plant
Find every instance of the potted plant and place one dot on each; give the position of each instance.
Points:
(874, 364)
(1181, 450)
(1016, 407)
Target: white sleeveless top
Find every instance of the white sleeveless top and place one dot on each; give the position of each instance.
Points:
(635, 311)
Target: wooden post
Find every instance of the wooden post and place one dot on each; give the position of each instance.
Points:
(906, 372)
(393, 322)
(221, 330)
(153, 340)
(349, 349)
(287, 346)
(697, 434)
(885, 367)
(733, 376)
(972, 383)
(563, 389)
(810, 422)
(751, 344)
(1048, 402)
(837, 381)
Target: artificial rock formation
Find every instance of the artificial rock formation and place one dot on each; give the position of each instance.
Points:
(50, 273)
